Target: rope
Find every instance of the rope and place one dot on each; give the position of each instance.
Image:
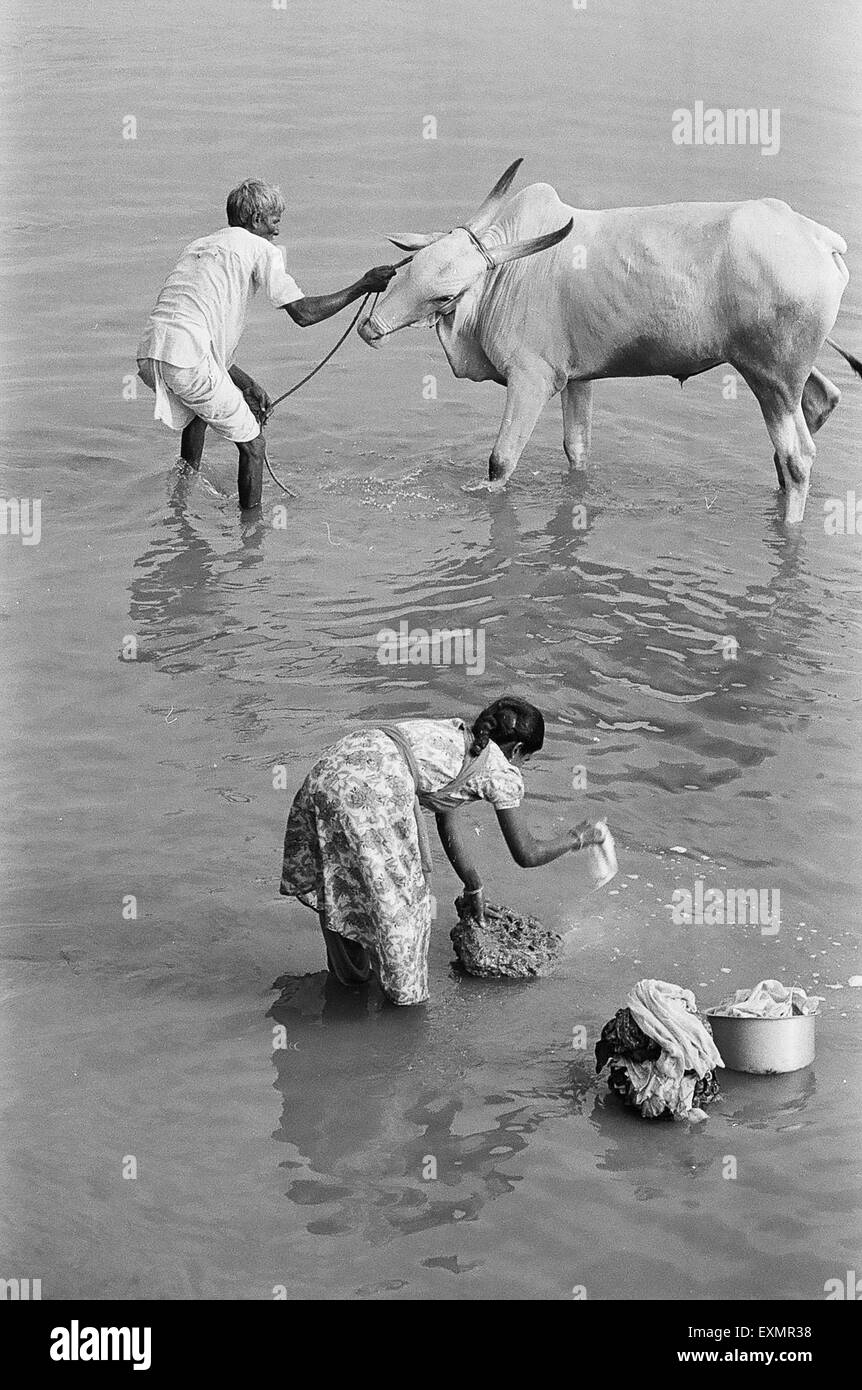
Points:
(284, 395)
(272, 475)
(475, 240)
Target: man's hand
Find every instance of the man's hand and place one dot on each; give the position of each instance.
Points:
(470, 906)
(255, 397)
(587, 833)
(257, 401)
(377, 278)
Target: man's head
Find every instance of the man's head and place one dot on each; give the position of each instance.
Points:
(256, 206)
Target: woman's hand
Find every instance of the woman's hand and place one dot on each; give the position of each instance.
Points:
(470, 906)
(587, 833)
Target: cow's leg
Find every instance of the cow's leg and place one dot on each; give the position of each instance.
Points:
(794, 449)
(819, 398)
(577, 398)
(527, 394)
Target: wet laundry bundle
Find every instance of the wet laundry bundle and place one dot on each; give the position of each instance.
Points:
(769, 999)
(660, 1051)
(506, 947)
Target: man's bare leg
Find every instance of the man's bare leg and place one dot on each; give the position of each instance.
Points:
(192, 442)
(250, 476)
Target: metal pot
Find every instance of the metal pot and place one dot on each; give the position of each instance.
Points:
(764, 1045)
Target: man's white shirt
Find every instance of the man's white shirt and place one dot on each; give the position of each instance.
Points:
(203, 305)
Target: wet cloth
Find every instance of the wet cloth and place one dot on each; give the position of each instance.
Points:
(657, 1090)
(668, 1013)
(352, 849)
(663, 1050)
(349, 962)
(203, 305)
(769, 999)
(206, 391)
(621, 1037)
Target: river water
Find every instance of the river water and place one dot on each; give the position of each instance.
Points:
(145, 1043)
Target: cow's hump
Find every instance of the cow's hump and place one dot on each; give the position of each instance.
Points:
(536, 209)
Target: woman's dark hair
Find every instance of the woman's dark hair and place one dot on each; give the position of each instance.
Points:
(509, 720)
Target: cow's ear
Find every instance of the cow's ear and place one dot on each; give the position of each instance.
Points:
(414, 241)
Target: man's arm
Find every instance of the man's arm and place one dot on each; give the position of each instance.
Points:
(314, 308)
(255, 397)
(240, 378)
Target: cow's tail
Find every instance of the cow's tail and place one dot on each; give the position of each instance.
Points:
(848, 357)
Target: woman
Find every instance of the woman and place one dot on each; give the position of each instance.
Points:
(356, 847)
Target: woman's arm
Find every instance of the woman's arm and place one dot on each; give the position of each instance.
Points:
(525, 849)
(457, 852)
(530, 853)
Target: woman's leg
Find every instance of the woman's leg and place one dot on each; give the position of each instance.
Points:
(365, 863)
(402, 952)
(347, 960)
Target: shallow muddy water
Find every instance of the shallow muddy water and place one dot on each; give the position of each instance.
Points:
(303, 1167)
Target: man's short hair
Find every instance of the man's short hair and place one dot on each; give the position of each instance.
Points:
(253, 198)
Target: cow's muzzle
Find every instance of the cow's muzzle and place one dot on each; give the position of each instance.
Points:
(370, 333)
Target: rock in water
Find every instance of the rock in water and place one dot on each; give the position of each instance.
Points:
(509, 947)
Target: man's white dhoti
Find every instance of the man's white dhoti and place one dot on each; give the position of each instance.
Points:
(204, 390)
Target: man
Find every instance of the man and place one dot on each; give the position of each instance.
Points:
(186, 354)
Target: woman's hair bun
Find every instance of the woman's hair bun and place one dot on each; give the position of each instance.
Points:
(508, 720)
(482, 731)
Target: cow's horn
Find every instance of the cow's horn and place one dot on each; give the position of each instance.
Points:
(414, 241)
(517, 249)
(485, 215)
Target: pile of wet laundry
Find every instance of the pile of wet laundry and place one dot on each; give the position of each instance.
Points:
(661, 1054)
(769, 999)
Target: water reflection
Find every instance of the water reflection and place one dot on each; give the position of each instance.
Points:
(768, 1102)
(181, 593)
(652, 1150)
(373, 1138)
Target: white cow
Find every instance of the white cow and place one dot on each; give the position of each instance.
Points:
(669, 290)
